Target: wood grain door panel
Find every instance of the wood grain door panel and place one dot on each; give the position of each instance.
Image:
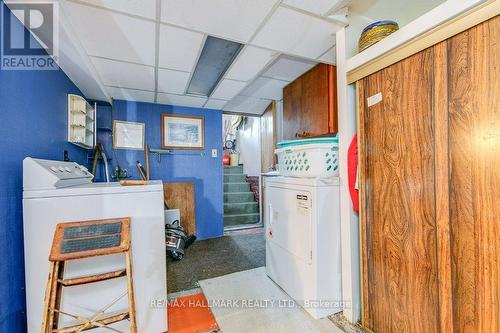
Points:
(268, 138)
(397, 145)
(474, 144)
(181, 196)
(310, 103)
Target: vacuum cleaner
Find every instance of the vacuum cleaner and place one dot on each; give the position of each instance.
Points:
(177, 240)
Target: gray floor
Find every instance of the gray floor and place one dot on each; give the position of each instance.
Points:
(215, 257)
(257, 306)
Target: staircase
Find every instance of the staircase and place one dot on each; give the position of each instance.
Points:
(240, 207)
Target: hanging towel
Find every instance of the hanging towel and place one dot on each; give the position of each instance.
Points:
(352, 172)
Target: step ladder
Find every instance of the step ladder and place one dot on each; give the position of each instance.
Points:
(79, 240)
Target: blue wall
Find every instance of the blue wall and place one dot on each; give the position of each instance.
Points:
(33, 108)
(205, 172)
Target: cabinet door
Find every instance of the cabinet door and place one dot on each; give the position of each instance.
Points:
(398, 200)
(314, 112)
(310, 104)
(292, 106)
(474, 147)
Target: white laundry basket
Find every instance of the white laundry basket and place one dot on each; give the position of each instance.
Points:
(309, 158)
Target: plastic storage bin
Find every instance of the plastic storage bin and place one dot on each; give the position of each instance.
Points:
(309, 158)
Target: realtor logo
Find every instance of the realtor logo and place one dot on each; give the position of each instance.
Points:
(22, 50)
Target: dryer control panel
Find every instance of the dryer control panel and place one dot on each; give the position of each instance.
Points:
(48, 174)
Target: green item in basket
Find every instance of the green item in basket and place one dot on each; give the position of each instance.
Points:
(291, 143)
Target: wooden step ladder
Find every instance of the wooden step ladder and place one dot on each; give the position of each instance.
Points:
(79, 240)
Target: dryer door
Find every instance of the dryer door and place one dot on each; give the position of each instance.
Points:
(289, 219)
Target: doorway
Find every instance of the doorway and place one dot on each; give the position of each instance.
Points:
(242, 169)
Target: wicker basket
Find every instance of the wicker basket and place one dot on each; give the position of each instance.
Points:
(375, 32)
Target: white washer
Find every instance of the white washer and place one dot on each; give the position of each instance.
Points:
(302, 223)
(57, 192)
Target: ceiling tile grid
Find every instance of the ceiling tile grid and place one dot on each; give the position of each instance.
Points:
(234, 20)
(174, 82)
(131, 94)
(227, 89)
(147, 53)
(126, 75)
(250, 62)
(181, 100)
(216, 104)
(319, 7)
(143, 8)
(110, 35)
(179, 48)
(296, 33)
(288, 68)
(265, 88)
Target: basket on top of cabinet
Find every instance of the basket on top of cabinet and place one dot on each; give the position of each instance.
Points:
(309, 158)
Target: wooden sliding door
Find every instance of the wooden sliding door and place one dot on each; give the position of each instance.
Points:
(397, 148)
(429, 141)
(474, 146)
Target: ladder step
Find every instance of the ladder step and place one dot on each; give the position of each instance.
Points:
(93, 278)
(105, 321)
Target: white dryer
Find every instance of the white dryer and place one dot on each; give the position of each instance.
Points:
(302, 223)
(57, 192)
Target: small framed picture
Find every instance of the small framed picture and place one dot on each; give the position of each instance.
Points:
(128, 135)
(182, 132)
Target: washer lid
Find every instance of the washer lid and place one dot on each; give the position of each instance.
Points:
(94, 189)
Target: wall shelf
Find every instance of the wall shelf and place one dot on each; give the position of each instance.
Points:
(81, 122)
(160, 152)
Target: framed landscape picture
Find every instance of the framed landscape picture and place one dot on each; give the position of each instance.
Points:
(182, 132)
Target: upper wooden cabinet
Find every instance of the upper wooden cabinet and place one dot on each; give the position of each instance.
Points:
(310, 104)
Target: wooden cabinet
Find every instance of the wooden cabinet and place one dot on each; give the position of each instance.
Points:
(429, 149)
(310, 104)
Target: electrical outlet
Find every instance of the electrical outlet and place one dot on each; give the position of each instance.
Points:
(214, 153)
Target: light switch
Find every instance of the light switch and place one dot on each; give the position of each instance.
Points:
(214, 153)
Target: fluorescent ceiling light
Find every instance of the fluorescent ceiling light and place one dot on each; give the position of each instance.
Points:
(216, 57)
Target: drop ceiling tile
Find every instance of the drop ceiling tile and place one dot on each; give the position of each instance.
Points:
(265, 88)
(235, 19)
(216, 104)
(144, 8)
(319, 7)
(243, 104)
(126, 75)
(173, 82)
(250, 62)
(181, 100)
(131, 94)
(330, 57)
(227, 89)
(288, 68)
(296, 33)
(111, 35)
(179, 48)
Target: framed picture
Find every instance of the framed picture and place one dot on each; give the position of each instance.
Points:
(128, 135)
(182, 132)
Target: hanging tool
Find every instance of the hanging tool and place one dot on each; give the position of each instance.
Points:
(141, 170)
(146, 160)
(100, 152)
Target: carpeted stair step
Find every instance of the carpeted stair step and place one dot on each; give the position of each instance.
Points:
(231, 170)
(235, 178)
(239, 219)
(230, 197)
(236, 187)
(241, 208)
